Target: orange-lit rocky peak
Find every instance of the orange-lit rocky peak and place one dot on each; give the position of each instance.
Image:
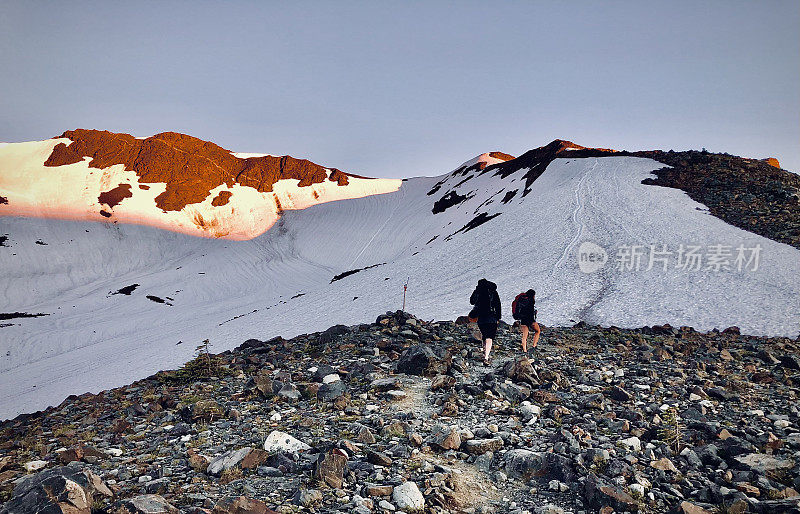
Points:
(772, 161)
(190, 167)
(500, 155)
(561, 145)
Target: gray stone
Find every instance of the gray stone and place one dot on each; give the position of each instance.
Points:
(762, 463)
(227, 460)
(143, 504)
(480, 446)
(331, 390)
(420, 360)
(307, 497)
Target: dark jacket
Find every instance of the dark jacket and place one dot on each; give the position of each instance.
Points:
(486, 301)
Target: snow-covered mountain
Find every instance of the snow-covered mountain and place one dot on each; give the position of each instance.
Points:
(122, 297)
(170, 181)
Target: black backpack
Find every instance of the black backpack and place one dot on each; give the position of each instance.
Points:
(521, 306)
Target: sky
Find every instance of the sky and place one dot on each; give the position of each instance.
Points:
(401, 89)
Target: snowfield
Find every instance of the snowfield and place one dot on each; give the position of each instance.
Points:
(280, 283)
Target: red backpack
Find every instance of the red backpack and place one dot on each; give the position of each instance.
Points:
(520, 306)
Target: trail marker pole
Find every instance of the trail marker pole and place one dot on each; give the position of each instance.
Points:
(405, 288)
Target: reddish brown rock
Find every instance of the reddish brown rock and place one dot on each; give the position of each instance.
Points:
(501, 155)
(221, 199)
(79, 453)
(116, 195)
(329, 468)
(254, 459)
(690, 508)
(190, 167)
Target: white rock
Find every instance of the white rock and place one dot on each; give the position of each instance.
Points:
(781, 423)
(333, 377)
(114, 452)
(529, 411)
(638, 490)
(282, 442)
(632, 443)
(386, 506)
(549, 509)
(408, 497)
(35, 465)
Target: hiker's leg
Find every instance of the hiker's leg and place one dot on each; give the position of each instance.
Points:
(536, 332)
(487, 348)
(524, 329)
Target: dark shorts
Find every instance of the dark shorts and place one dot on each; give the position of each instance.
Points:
(488, 330)
(528, 322)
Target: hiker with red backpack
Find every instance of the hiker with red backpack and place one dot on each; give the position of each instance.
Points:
(523, 308)
(487, 311)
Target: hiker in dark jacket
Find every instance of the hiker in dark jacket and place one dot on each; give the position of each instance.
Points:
(524, 309)
(487, 310)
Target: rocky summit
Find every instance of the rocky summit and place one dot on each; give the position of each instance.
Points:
(401, 415)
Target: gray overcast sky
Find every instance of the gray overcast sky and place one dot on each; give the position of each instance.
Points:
(409, 88)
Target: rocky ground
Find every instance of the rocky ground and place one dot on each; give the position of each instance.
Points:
(401, 415)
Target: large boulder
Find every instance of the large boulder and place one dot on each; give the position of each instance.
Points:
(420, 360)
(65, 489)
(408, 497)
